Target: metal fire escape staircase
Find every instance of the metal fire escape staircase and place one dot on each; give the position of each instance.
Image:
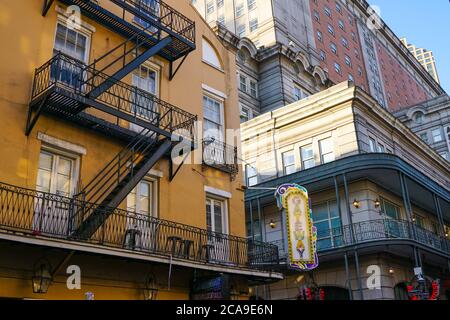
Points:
(68, 88)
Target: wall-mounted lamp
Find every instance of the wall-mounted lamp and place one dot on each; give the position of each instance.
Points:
(391, 270)
(42, 277)
(151, 288)
(272, 224)
(377, 203)
(414, 219)
(356, 204)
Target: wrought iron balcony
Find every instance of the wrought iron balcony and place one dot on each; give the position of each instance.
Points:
(221, 156)
(52, 216)
(129, 17)
(376, 230)
(62, 87)
(384, 229)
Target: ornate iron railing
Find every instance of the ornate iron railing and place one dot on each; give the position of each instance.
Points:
(78, 79)
(375, 230)
(50, 216)
(220, 156)
(382, 229)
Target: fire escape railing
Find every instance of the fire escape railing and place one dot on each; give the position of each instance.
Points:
(49, 216)
(221, 156)
(77, 80)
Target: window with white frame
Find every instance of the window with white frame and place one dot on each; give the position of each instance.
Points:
(241, 30)
(326, 150)
(251, 4)
(213, 123)
(56, 173)
(307, 155)
(372, 145)
(390, 210)
(210, 7)
(253, 24)
(216, 215)
(288, 159)
(254, 89)
(437, 135)
(381, 148)
(243, 83)
(239, 10)
(142, 199)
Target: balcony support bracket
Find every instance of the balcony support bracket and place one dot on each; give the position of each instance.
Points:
(172, 173)
(31, 120)
(172, 72)
(46, 6)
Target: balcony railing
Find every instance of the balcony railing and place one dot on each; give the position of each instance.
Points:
(129, 16)
(375, 230)
(383, 229)
(221, 156)
(72, 80)
(51, 216)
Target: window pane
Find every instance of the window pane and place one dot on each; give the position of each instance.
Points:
(320, 212)
(218, 217)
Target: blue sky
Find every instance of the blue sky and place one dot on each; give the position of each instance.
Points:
(425, 23)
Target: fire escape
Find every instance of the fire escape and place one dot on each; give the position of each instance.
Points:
(94, 96)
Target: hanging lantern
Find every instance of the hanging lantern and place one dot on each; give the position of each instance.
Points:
(151, 289)
(42, 277)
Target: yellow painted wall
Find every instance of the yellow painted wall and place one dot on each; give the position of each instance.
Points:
(30, 39)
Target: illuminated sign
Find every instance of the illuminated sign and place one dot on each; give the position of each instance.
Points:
(300, 231)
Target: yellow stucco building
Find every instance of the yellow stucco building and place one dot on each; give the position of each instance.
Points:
(91, 95)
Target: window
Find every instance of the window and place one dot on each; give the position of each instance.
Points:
(424, 137)
(333, 48)
(344, 42)
(215, 215)
(330, 29)
(337, 67)
(253, 89)
(319, 36)
(437, 135)
(348, 61)
(326, 150)
(142, 199)
(55, 174)
(75, 45)
(359, 71)
(251, 4)
(327, 11)
(328, 223)
(298, 93)
(210, 7)
(245, 114)
(209, 55)
(150, 9)
(341, 25)
(145, 78)
(316, 16)
(253, 24)
(219, 4)
(338, 7)
(372, 145)
(390, 210)
(252, 175)
(241, 30)
(288, 162)
(323, 55)
(418, 117)
(239, 10)
(213, 118)
(243, 83)
(380, 148)
(307, 155)
(350, 78)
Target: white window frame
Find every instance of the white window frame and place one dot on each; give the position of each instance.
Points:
(225, 216)
(154, 195)
(212, 96)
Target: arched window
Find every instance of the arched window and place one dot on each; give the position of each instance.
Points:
(400, 292)
(210, 55)
(336, 293)
(418, 117)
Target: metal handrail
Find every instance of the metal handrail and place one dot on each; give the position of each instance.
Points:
(220, 155)
(49, 216)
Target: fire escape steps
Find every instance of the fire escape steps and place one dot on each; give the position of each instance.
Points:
(100, 214)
